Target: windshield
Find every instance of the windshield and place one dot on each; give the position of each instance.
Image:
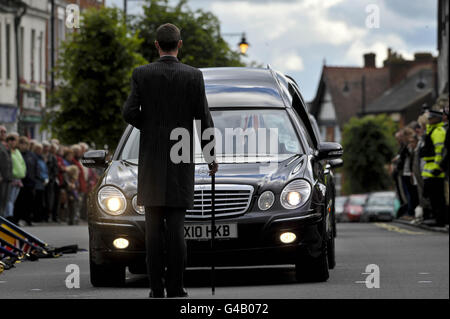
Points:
(381, 201)
(256, 135)
(357, 200)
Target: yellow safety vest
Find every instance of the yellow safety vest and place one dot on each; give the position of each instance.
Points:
(433, 162)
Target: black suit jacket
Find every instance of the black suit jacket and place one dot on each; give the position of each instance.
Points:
(165, 95)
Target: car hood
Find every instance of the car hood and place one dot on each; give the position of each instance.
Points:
(261, 174)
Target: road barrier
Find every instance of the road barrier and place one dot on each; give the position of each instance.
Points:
(16, 245)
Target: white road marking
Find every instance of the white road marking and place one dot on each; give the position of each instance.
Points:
(36, 289)
(425, 282)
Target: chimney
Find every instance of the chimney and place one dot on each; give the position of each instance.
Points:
(423, 57)
(369, 60)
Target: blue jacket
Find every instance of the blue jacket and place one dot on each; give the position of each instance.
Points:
(42, 175)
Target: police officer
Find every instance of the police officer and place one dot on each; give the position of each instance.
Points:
(432, 173)
(445, 157)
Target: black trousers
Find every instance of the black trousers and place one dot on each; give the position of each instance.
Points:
(166, 246)
(434, 190)
(24, 208)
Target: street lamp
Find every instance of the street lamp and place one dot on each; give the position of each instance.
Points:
(243, 45)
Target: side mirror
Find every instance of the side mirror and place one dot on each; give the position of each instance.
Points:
(336, 163)
(94, 159)
(329, 151)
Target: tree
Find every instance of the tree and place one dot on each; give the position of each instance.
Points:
(94, 71)
(369, 145)
(203, 46)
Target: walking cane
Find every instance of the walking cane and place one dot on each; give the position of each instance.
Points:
(213, 228)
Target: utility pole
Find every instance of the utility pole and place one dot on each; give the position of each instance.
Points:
(52, 46)
(363, 95)
(21, 10)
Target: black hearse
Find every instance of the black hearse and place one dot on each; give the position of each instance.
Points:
(271, 207)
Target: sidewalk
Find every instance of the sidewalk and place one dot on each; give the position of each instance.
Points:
(422, 226)
(51, 223)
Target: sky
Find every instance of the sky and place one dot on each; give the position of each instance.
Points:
(298, 36)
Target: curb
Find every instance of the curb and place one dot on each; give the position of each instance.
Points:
(443, 230)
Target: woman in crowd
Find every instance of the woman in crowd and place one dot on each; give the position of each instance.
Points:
(19, 170)
(41, 182)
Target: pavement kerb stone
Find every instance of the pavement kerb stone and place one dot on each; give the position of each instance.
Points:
(421, 226)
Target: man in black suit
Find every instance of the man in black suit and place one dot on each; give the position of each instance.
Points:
(166, 95)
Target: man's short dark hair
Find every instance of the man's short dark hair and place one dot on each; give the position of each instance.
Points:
(168, 36)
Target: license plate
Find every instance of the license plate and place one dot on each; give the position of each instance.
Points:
(204, 231)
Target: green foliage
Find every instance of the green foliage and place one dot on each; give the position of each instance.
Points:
(203, 45)
(93, 80)
(369, 145)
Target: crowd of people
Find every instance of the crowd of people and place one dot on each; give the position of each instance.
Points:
(421, 167)
(43, 182)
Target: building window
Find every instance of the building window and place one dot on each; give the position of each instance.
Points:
(8, 51)
(33, 39)
(61, 35)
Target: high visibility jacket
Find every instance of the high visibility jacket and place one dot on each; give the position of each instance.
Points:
(432, 163)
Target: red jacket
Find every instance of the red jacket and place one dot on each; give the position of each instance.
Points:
(60, 169)
(81, 178)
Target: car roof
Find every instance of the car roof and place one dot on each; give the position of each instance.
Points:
(242, 87)
(382, 194)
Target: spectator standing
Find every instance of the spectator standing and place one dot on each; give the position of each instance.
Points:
(24, 208)
(65, 162)
(72, 185)
(41, 183)
(432, 173)
(406, 169)
(89, 178)
(81, 177)
(398, 162)
(60, 206)
(50, 188)
(19, 170)
(56, 199)
(3, 134)
(5, 170)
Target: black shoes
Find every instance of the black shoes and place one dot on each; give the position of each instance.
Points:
(178, 294)
(157, 293)
(160, 294)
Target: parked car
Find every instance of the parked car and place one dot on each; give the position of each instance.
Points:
(354, 207)
(271, 208)
(339, 208)
(380, 206)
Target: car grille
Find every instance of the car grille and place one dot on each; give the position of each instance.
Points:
(231, 199)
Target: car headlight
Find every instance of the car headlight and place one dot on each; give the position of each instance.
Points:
(266, 200)
(138, 209)
(112, 200)
(295, 194)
